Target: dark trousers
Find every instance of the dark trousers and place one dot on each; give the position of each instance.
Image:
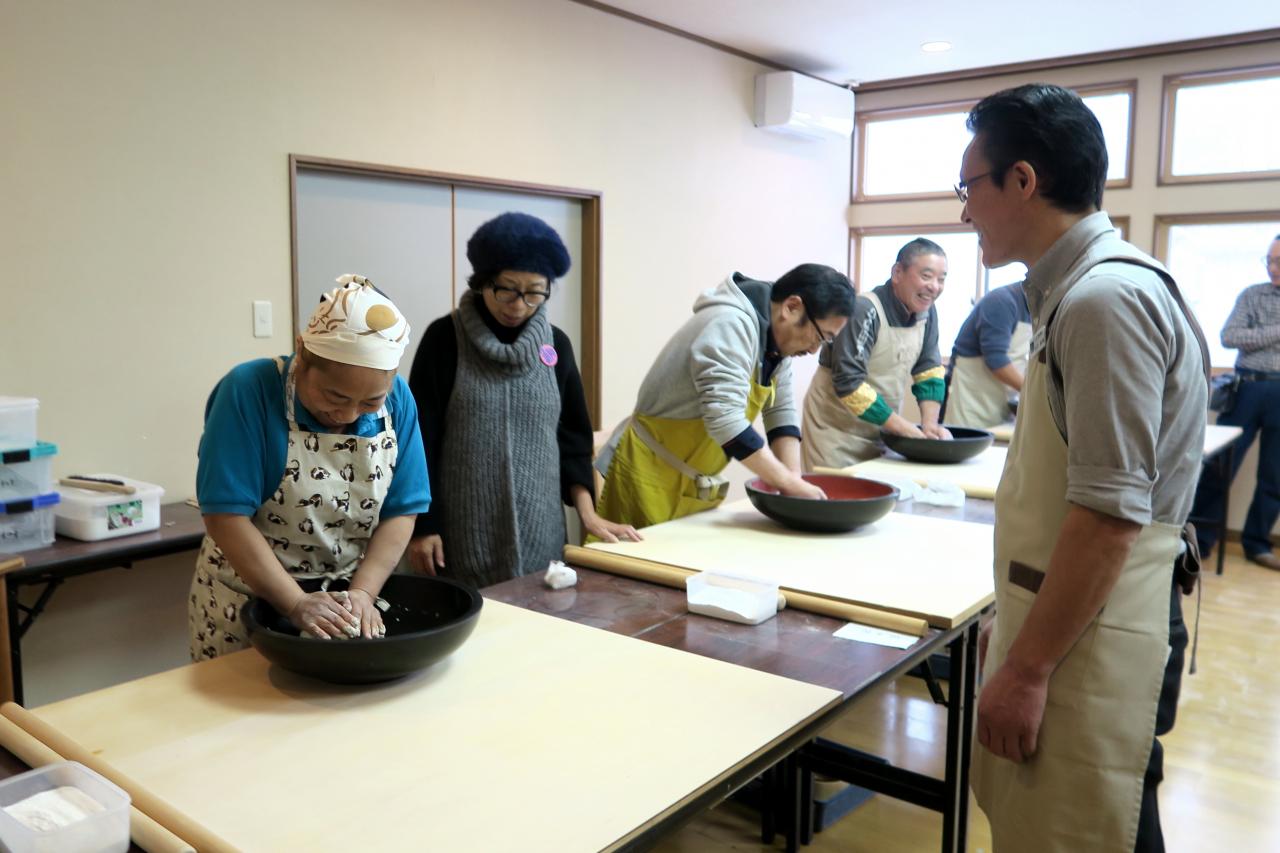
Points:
(1257, 410)
(1150, 836)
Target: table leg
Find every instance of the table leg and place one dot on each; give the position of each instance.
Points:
(7, 693)
(792, 810)
(955, 811)
(1225, 458)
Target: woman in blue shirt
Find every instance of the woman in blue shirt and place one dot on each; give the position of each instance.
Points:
(311, 467)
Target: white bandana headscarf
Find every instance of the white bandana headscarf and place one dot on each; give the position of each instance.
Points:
(356, 324)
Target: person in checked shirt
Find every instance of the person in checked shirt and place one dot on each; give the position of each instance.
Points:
(1254, 329)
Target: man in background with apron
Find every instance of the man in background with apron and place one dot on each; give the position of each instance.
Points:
(989, 360)
(890, 345)
(1097, 486)
(727, 364)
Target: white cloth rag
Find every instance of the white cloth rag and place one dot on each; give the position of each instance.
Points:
(937, 493)
(560, 576)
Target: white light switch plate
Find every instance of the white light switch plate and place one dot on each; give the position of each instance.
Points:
(261, 318)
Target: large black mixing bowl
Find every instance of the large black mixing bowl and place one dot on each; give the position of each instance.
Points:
(429, 618)
(851, 503)
(965, 443)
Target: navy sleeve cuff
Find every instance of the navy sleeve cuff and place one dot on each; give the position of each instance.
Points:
(743, 444)
(782, 431)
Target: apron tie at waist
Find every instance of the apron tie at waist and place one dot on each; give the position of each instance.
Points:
(710, 487)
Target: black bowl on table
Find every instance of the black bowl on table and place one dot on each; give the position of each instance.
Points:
(964, 444)
(428, 619)
(851, 503)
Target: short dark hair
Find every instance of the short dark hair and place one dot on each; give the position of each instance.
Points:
(917, 247)
(1053, 130)
(824, 291)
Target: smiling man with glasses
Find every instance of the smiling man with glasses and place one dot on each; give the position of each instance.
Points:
(889, 346)
(1084, 657)
(728, 363)
(1254, 329)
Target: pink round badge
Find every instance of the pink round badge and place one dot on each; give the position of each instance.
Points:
(548, 354)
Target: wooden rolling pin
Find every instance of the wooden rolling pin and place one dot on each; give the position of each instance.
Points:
(151, 806)
(97, 484)
(674, 576)
(144, 831)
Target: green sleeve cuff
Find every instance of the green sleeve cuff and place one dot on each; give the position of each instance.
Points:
(877, 413)
(932, 388)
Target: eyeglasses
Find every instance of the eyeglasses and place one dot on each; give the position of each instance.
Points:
(823, 337)
(962, 188)
(507, 295)
(1271, 262)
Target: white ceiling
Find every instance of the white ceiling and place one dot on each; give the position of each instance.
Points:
(865, 40)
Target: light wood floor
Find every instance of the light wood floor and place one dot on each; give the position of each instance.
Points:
(1222, 759)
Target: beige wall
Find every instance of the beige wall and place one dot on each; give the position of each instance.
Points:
(146, 200)
(144, 203)
(1143, 201)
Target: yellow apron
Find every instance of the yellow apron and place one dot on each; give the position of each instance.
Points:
(1082, 791)
(834, 436)
(975, 397)
(641, 489)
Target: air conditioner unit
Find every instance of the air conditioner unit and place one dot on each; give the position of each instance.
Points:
(794, 104)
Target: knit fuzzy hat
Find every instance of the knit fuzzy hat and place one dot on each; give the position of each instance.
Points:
(516, 241)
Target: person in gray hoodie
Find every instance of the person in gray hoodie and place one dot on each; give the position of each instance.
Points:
(727, 364)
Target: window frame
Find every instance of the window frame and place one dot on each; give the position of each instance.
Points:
(1160, 238)
(862, 119)
(1174, 83)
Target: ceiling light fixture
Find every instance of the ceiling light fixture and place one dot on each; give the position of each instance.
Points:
(936, 46)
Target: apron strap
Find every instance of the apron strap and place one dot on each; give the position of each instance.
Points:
(710, 487)
(1174, 292)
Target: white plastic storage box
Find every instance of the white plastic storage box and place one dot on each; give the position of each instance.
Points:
(27, 523)
(94, 811)
(18, 422)
(92, 515)
(24, 472)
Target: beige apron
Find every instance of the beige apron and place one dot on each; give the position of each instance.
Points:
(834, 436)
(1082, 791)
(975, 397)
(318, 523)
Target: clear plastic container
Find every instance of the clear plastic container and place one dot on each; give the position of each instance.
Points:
(105, 831)
(27, 523)
(25, 472)
(18, 422)
(91, 515)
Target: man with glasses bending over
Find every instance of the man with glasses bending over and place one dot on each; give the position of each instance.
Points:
(727, 364)
(1254, 329)
(890, 344)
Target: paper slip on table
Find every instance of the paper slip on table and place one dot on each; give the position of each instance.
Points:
(935, 569)
(537, 734)
(978, 477)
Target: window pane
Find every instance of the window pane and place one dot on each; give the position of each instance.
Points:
(922, 154)
(914, 155)
(1007, 274)
(1212, 264)
(876, 260)
(1243, 111)
(1113, 114)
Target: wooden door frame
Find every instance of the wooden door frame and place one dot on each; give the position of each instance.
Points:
(589, 263)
